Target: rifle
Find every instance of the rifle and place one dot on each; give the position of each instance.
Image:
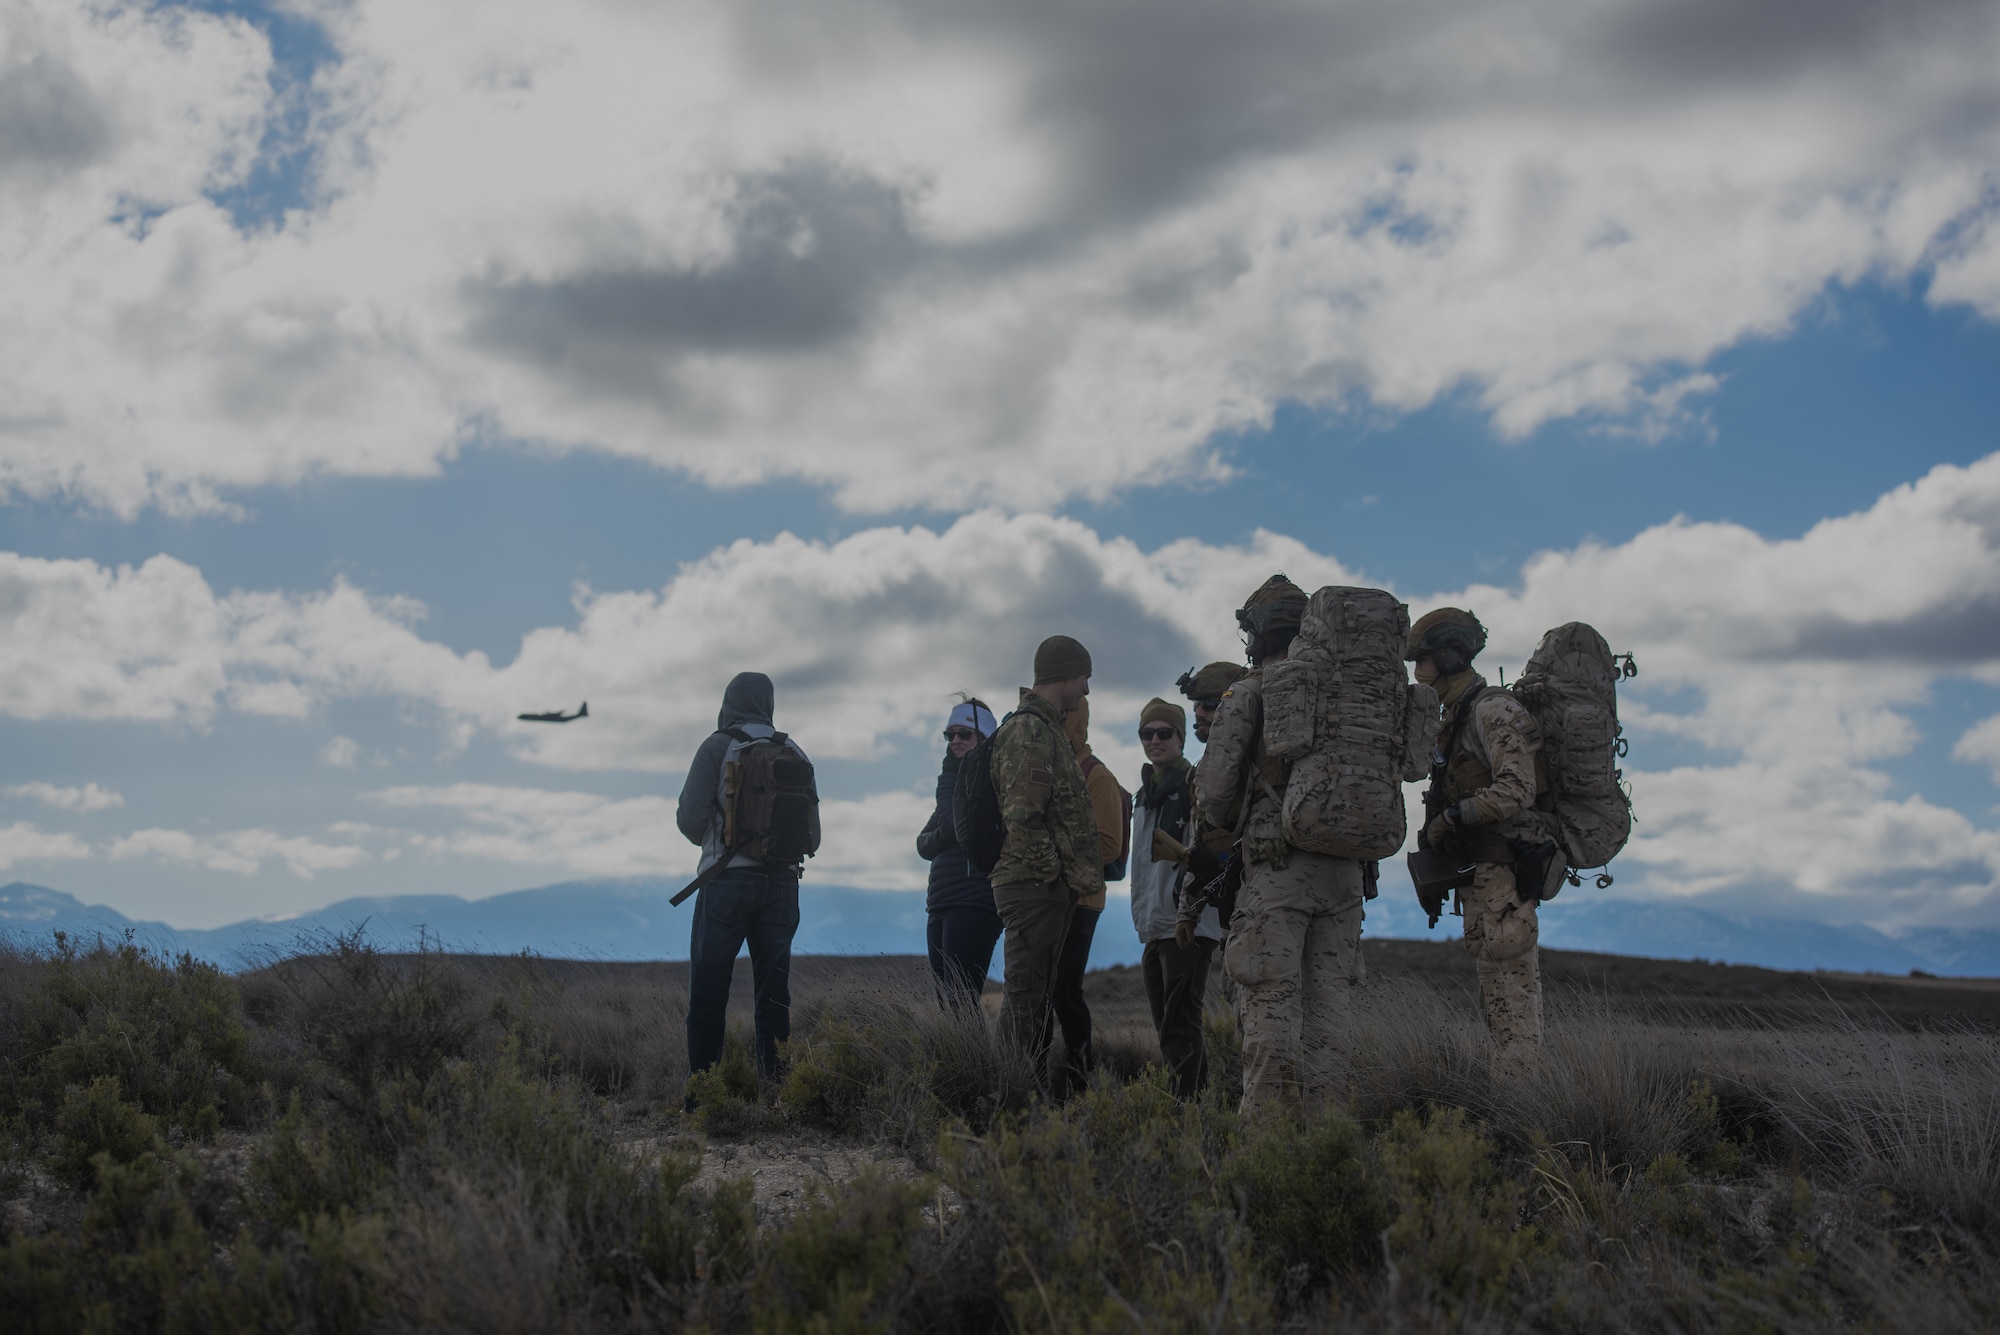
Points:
(1435, 874)
(1219, 877)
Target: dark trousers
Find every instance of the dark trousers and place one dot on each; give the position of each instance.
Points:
(1037, 919)
(1066, 1004)
(1176, 981)
(746, 905)
(961, 945)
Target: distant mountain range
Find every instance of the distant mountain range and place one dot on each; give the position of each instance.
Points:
(631, 919)
(612, 920)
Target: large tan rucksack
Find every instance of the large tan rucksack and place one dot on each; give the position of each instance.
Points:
(1341, 712)
(1571, 687)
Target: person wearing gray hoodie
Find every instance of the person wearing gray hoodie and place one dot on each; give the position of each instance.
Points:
(747, 901)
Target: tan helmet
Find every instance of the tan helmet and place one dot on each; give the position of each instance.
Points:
(1445, 628)
(1277, 602)
(1210, 682)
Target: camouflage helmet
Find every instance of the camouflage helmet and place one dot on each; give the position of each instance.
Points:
(1210, 682)
(1277, 602)
(1445, 628)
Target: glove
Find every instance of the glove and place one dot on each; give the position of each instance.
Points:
(1184, 934)
(1442, 827)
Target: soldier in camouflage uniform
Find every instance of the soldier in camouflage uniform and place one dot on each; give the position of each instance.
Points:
(1294, 945)
(1052, 856)
(1204, 687)
(1490, 778)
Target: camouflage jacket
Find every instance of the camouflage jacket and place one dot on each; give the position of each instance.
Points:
(1233, 772)
(1494, 772)
(1051, 828)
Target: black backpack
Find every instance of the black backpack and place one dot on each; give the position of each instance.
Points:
(975, 807)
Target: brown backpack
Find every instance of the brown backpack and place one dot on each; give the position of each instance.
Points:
(767, 800)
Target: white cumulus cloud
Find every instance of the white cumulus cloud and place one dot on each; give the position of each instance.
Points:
(1794, 668)
(22, 842)
(583, 833)
(869, 842)
(340, 752)
(242, 852)
(1981, 745)
(90, 797)
(940, 254)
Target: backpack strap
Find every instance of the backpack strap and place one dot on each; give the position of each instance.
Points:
(1459, 718)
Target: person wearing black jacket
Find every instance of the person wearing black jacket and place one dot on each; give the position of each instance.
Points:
(964, 924)
(748, 902)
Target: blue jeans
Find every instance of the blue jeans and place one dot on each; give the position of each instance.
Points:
(748, 904)
(961, 944)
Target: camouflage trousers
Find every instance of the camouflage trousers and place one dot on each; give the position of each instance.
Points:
(1295, 953)
(1501, 933)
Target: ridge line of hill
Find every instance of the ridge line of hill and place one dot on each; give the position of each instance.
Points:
(630, 919)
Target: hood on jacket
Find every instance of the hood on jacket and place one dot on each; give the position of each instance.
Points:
(749, 699)
(1076, 726)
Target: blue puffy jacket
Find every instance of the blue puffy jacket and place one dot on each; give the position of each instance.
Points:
(955, 882)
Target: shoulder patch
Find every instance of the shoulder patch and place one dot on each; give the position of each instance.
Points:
(1231, 691)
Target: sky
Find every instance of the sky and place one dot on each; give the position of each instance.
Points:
(373, 372)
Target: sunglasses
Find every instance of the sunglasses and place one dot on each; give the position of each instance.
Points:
(1157, 734)
(959, 734)
(1211, 702)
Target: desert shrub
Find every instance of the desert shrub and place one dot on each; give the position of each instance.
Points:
(726, 1097)
(170, 1030)
(462, 1145)
(142, 1259)
(1457, 1231)
(841, 1264)
(96, 1119)
(833, 1068)
(1085, 1214)
(894, 1065)
(368, 1018)
(1313, 1207)
(593, 1025)
(310, 1167)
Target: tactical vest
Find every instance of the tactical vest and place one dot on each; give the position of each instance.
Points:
(1463, 774)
